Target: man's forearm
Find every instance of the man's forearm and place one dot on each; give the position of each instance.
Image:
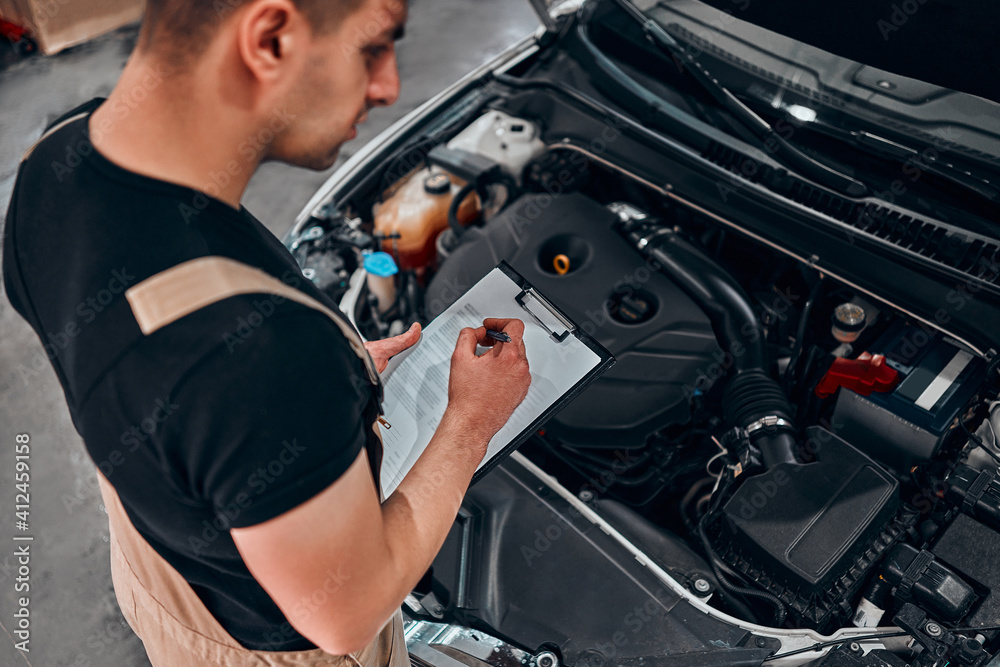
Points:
(415, 520)
(419, 514)
(379, 552)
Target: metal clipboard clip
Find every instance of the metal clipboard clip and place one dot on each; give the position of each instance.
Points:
(545, 314)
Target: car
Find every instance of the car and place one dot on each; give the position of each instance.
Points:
(794, 259)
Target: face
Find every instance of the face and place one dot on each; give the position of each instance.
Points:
(346, 73)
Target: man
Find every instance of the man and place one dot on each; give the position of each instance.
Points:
(227, 405)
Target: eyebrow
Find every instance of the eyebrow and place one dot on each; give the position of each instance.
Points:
(394, 33)
(390, 34)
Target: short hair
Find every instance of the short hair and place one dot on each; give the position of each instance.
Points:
(181, 28)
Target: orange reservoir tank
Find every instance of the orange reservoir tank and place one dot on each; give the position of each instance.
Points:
(416, 208)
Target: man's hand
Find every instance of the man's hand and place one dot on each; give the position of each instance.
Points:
(382, 351)
(485, 390)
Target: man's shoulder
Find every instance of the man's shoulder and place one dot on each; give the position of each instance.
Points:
(265, 324)
(80, 110)
(53, 137)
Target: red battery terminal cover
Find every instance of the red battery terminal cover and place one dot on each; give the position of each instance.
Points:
(863, 375)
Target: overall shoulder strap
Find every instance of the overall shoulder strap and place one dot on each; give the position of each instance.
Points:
(195, 284)
(64, 120)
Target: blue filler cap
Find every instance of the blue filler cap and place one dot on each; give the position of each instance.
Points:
(380, 264)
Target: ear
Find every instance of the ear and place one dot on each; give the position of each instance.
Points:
(270, 35)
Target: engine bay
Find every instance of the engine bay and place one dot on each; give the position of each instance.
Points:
(800, 452)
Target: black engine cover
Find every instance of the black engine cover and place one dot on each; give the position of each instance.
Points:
(662, 341)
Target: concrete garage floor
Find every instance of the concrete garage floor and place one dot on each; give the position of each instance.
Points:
(74, 616)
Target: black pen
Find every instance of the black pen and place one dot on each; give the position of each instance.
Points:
(498, 335)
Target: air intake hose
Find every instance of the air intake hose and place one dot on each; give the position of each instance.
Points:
(755, 402)
(752, 400)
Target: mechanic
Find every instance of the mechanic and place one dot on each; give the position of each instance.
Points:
(231, 410)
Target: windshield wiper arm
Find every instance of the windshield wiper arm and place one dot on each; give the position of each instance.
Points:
(790, 154)
(891, 149)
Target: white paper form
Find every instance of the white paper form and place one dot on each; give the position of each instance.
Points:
(416, 382)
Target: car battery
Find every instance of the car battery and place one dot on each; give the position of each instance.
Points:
(908, 424)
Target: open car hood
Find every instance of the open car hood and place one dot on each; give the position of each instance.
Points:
(949, 43)
(946, 43)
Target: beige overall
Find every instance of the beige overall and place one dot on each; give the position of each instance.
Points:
(176, 628)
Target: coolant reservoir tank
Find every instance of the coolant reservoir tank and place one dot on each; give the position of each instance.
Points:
(416, 208)
(510, 142)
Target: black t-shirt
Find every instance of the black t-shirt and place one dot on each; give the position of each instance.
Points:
(225, 418)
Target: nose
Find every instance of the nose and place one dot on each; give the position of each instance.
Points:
(384, 87)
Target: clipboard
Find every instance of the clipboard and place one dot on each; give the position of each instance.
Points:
(564, 360)
(559, 326)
